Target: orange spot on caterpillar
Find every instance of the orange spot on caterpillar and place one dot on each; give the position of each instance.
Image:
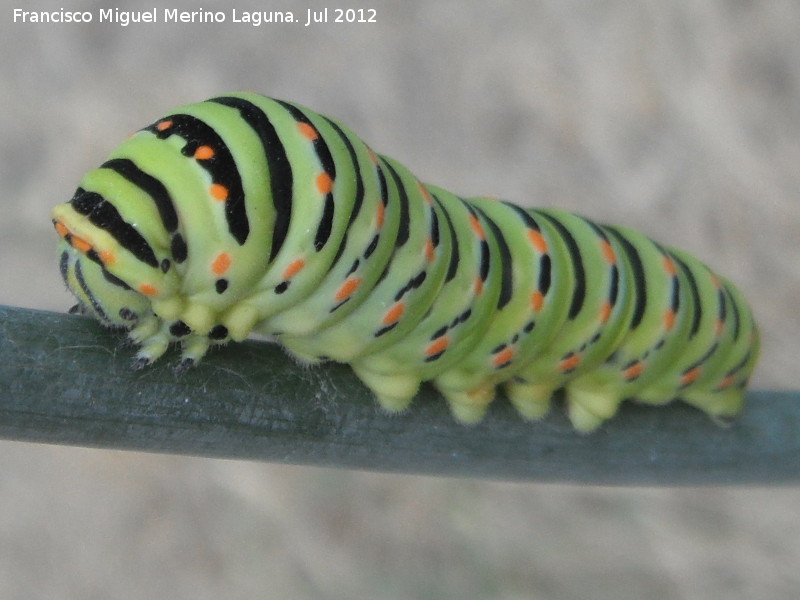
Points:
(669, 266)
(429, 250)
(477, 227)
(537, 301)
(425, 193)
(294, 268)
(221, 263)
(669, 320)
(204, 153)
(61, 229)
(478, 286)
(605, 312)
(503, 357)
(437, 346)
(569, 362)
(720, 326)
(633, 371)
(80, 244)
(347, 288)
(164, 125)
(381, 214)
(690, 376)
(393, 314)
(148, 289)
(538, 241)
(372, 156)
(727, 382)
(218, 192)
(324, 183)
(608, 252)
(107, 257)
(307, 131)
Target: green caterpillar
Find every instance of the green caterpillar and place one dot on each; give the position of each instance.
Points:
(247, 214)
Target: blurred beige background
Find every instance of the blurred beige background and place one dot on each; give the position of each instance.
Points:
(681, 119)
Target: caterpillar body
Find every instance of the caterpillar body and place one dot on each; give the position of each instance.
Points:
(248, 214)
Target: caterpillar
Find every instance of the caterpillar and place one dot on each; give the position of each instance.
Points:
(245, 214)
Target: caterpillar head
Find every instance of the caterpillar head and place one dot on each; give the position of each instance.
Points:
(107, 262)
(99, 293)
(122, 269)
